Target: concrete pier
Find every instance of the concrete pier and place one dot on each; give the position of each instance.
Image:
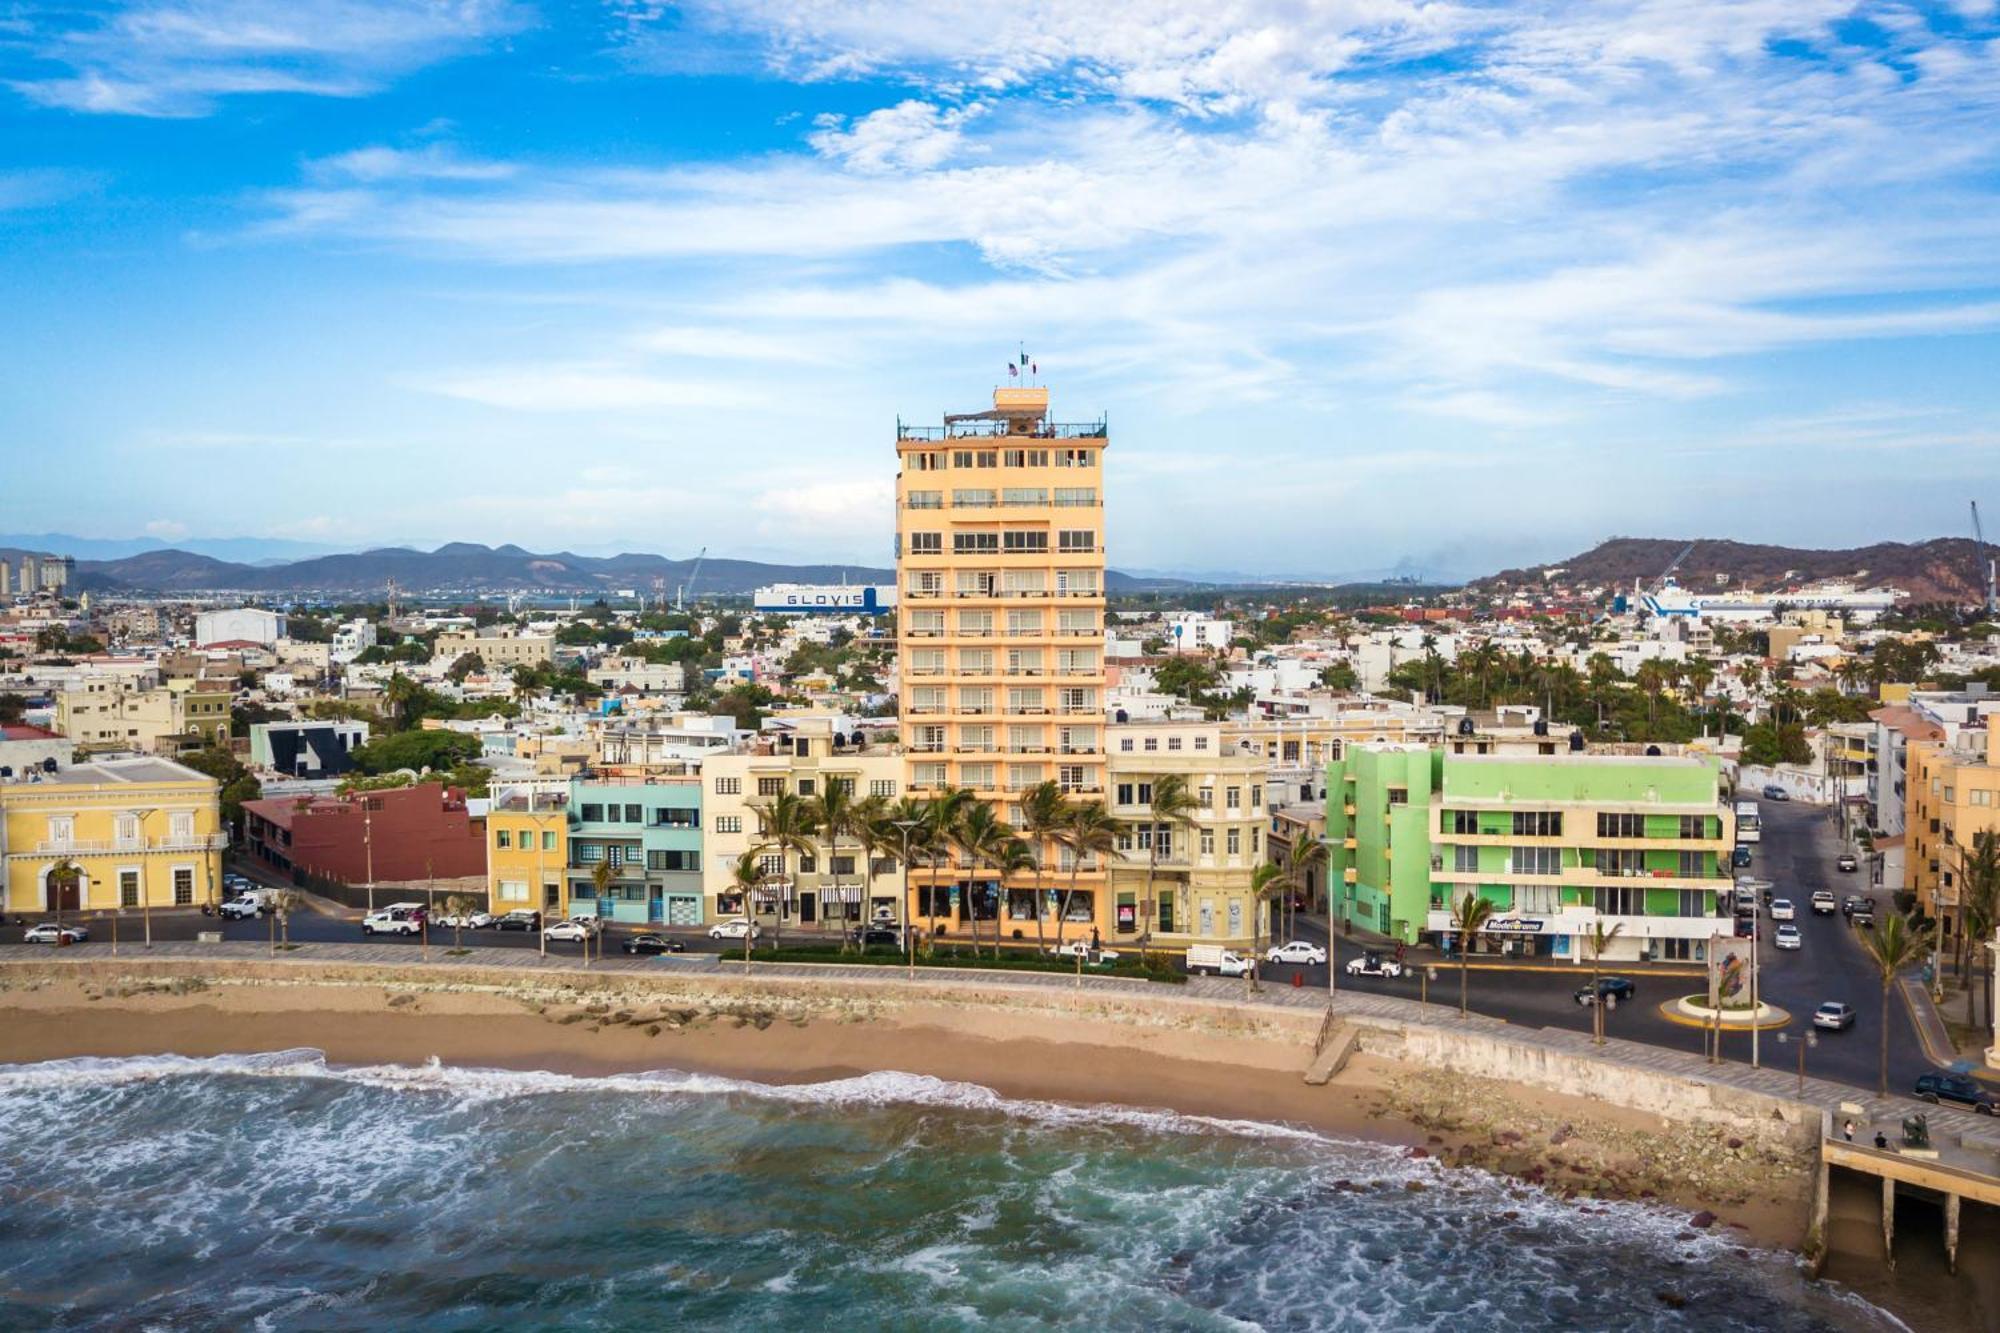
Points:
(1948, 1174)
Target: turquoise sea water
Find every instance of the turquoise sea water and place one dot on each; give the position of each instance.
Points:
(274, 1192)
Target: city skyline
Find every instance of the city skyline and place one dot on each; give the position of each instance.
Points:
(1462, 288)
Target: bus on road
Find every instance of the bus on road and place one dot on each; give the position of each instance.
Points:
(1749, 827)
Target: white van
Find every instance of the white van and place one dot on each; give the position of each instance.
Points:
(1213, 960)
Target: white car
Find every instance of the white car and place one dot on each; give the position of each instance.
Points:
(50, 933)
(470, 921)
(1081, 949)
(1303, 952)
(1824, 903)
(1787, 937)
(1374, 965)
(239, 909)
(1782, 910)
(734, 930)
(568, 931)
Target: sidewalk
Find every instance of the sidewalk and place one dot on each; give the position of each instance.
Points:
(1931, 1031)
(1976, 1133)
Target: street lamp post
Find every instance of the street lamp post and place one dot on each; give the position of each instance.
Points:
(909, 935)
(1809, 1038)
(368, 847)
(1332, 936)
(145, 898)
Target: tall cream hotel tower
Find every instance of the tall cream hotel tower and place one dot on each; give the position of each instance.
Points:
(1000, 627)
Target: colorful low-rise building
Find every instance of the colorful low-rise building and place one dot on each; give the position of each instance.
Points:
(1953, 797)
(527, 854)
(648, 831)
(114, 833)
(396, 835)
(1558, 845)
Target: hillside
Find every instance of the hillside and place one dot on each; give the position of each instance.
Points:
(467, 567)
(1944, 569)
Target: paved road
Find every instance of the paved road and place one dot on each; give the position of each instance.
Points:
(1797, 854)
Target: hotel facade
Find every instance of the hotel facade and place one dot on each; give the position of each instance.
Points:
(1000, 631)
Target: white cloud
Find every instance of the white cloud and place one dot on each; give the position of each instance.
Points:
(432, 162)
(581, 389)
(166, 529)
(172, 58)
(909, 136)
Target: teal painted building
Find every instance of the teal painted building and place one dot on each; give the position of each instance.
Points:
(649, 832)
(1558, 844)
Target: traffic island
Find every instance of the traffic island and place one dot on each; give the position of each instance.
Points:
(1695, 1011)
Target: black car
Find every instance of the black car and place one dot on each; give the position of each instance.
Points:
(867, 935)
(1608, 988)
(520, 919)
(1960, 1089)
(653, 944)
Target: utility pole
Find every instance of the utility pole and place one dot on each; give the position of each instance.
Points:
(145, 896)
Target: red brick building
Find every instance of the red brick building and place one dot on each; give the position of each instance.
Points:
(409, 833)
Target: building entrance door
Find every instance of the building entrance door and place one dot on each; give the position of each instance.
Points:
(65, 894)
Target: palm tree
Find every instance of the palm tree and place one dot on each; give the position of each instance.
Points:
(1306, 857)
(1266, 883)
(940, 815)
(1468, 917)
(1979, 907)
(1893, 946)
(64, 877)
(787, 827)
(746, 876)
(907, 815)
(1172, 806)
(458, 906)
(981, 837)
(284, 902)
(833, 813)
(872, 837)
(1044, 810)
(1088, 832)
(1016, 858)
(1598, 939)
(600, 878)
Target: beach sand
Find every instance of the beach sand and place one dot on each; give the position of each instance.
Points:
(1570, 1146)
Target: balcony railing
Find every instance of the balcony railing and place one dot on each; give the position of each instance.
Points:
(997, 430)
(207, 842)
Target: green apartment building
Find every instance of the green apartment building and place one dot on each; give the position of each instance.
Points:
(1557, 843)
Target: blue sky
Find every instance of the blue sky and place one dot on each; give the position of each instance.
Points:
(1359, 283)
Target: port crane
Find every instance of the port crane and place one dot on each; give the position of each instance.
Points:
(1981, 550)
(680, 593)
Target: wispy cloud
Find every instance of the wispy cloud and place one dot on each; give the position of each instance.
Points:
(177, 58)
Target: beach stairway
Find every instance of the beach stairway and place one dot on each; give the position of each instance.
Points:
(1336, 1043)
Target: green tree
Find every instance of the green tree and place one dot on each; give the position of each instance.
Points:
(1339, 676)
(1172, 807)
(746, 876)
(1044, 811)
(981, 837)
(416, 750)
(238, 784)
(1266, 883)
(833, 813)
(787, 827)
(1599, 939)
(1892, 946)
(1469, 916)
(1979, 907)
(466, 664)
(1089, 833)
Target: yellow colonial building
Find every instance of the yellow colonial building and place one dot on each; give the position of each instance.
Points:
(1952, 796)
(139, 832)
(527, 848)
(1201, 865)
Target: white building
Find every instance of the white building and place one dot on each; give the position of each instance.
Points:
(247, 624)
(353, 639)
(1193, 632)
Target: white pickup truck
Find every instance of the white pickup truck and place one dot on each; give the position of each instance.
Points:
(248, 903)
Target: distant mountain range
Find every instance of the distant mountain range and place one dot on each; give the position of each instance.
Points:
(470, 568)
(1944, 569)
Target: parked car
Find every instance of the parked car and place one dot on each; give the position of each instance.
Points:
(1853, 901)
(1215, 961)
(1848, 861)
(653, 944)
(1834, 1015)
(1773, 792)
(1620, 989)
(1960, 1090)
(1782, 910)
(470, 921)
(870, 935)
(734, 930)
(1372, 964)
(521, 918)
(1787, 937)
(1740, 857)
(1863, 915)
(1093, 957)
(1823, 902)
(395, 919)
(50, 933)
(1303, 952)
(569, 931)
